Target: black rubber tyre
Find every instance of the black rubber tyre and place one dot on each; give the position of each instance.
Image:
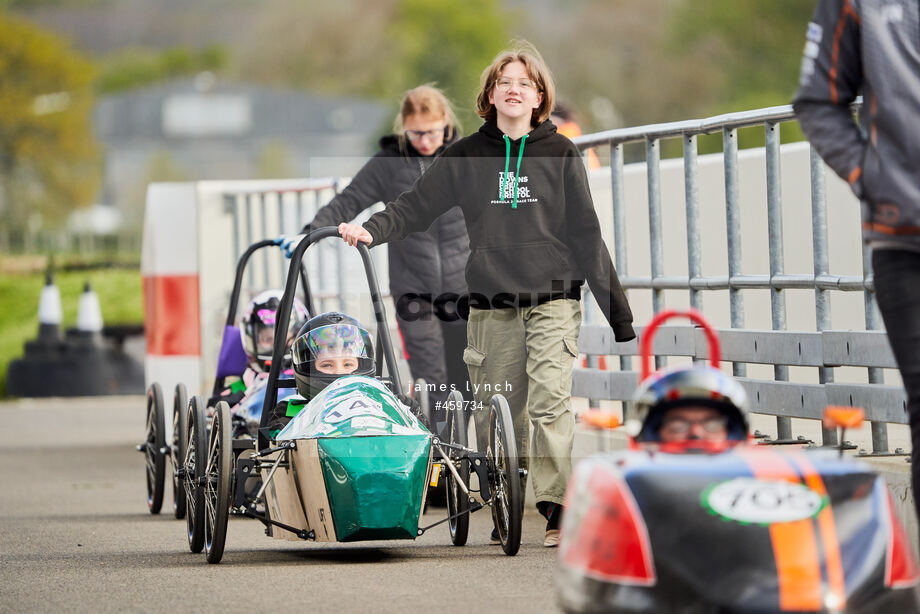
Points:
(177, 449)
(218, 482)
(193, 469)
(154, 448)
(458, 502)
(504, 474)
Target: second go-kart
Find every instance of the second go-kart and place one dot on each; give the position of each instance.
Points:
(355, 463)
(177, 447)
(729, 528)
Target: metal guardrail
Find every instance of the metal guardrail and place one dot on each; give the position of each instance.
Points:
(260, 212)
(823, 350)
(826, 349)
(267, 212)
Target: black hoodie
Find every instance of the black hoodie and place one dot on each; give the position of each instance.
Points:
(529, 245)
(426, 263)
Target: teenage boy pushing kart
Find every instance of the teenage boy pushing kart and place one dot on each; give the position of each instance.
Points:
(534, 239)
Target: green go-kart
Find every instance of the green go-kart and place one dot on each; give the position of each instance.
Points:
(355, 463)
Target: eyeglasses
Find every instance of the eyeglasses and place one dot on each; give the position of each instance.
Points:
(418, 135)
(505, 84)
(682, 426)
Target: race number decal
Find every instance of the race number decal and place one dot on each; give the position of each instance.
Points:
(355, 404)
(763, 502)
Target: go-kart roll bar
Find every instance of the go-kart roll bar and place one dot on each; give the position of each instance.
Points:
(238, 281)
(648, 334)
(287, 301)
(237, 288)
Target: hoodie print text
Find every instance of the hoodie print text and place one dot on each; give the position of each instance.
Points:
(506, 185)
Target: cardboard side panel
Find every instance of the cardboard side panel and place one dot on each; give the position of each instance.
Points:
(283, 501)
(313, 490)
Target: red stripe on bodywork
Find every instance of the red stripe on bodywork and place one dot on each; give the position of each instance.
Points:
(900, 567)
(172, 324)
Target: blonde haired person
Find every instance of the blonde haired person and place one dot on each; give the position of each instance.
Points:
(427, 264)
(535, 239)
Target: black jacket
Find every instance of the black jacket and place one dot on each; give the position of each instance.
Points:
(870, 46)
(427, 261)
(533, 230)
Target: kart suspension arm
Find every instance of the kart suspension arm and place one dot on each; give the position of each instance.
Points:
(453, 470)
(475, 506)
(271, 473)
(289, 445)
(298, 532)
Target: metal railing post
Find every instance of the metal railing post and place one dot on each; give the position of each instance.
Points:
(282, 230)
(819, 245)
(775, 232)
(263, 218)
(692, 199)
(249, 241)
(320, 261)
(230, 206)
(733, 229)
(876, 375)
(619, 224)
(653, 175)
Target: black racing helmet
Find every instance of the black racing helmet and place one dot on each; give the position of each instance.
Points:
(329, 346)
(257, 328)
(697, 386)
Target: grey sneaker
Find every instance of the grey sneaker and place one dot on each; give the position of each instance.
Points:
(551, 540)
(494, 538)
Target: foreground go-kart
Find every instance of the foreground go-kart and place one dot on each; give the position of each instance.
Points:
(355, 462)
(747, 529)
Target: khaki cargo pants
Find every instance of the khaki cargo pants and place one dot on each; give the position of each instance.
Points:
(527, 354)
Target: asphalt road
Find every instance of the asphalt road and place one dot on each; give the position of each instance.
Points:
(75, 536)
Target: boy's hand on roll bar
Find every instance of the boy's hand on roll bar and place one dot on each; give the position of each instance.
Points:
(352, 233)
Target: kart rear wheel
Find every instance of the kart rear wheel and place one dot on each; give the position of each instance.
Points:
(217, 484)
(458, 502)
(502, 457)
(193, 470)
(177, 455)
(155, 448)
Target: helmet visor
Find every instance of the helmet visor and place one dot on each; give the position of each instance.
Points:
(332, 341)
(265, 331)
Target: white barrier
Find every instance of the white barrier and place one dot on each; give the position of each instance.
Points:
(170, 273)
(193, 236)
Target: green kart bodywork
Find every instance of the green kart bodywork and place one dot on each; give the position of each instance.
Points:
(373, 456)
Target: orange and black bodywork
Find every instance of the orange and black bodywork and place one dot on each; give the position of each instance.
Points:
(749, 530)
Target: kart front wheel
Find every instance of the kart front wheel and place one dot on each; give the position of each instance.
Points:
(217, 483)
(193, 467)
(154, 448)
(458, 502)
(504, 475)
(177, 455)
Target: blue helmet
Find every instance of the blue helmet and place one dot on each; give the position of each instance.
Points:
(685, 386)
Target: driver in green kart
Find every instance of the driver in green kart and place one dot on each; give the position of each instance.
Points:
(328, 346)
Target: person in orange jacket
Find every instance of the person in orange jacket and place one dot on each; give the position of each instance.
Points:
(564, 119)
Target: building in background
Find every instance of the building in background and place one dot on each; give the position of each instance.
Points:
(199, 129)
